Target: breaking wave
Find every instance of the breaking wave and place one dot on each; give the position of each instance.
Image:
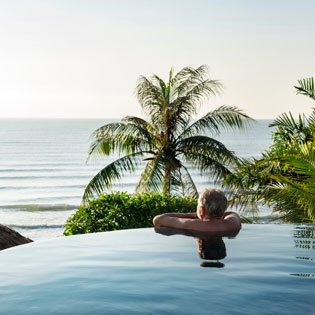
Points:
(39, 207)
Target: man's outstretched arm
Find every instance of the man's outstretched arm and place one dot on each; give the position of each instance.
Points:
(176, 220)
(230, 222)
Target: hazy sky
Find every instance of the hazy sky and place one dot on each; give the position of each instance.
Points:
(81, 59)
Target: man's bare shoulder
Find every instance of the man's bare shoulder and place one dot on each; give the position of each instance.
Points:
(232, 218)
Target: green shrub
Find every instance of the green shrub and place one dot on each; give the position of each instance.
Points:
(118, 211)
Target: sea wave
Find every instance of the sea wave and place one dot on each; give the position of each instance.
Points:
(44, 163)
(39, 207)
(45, 177)
(39, 226)
(41, 186)
(46, 169)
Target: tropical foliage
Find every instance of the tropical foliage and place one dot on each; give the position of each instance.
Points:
(117, 211)
(168, 141)
(306, 87)
(284, 177)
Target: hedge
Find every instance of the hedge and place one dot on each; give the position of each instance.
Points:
(117, 211)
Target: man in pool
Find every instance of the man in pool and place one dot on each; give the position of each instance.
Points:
(209, 217)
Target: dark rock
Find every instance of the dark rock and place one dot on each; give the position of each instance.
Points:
(10, 238)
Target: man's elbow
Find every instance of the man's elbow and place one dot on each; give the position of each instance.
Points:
(157, 221)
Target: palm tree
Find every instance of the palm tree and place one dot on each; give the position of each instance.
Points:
(285, 175)
(168, 142)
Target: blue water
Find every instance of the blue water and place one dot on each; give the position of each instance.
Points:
(268, 269)
(43, 171)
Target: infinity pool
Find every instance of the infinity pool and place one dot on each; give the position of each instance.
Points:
(268, 269)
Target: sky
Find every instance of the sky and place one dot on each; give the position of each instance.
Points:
(82, 59)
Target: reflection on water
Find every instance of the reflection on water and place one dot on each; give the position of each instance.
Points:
(305, 275)
(304, 238)
(304, 232)
(210, 245)
(306, 258)
(138, 271)
(305, 244)
(211, 248)
(212, 264)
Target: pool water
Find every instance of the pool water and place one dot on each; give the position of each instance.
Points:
(268, 269)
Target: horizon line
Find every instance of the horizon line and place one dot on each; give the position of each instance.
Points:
(95, 118)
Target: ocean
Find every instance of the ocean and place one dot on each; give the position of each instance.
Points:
(43, 169)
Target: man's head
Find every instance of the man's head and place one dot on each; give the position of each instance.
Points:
(213, 202)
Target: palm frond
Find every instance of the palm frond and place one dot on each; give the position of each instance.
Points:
(203, 90)
(111, 173)
(207, 146)
(303, 196)
(290, 129)
(211, 167)
(224, 117)
(185, 105)
(245, 185)
(163, 88)
(300, 158)
(188, 76)
(306, 87)
(152, 175)
(171, 76)
(311, 118)
(191, 86)
(311, 124)
(150, 97)
(185, 184)
(287, 121)
(121, 138)
(142, 123)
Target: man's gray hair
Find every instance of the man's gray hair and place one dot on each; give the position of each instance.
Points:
(213, 201)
